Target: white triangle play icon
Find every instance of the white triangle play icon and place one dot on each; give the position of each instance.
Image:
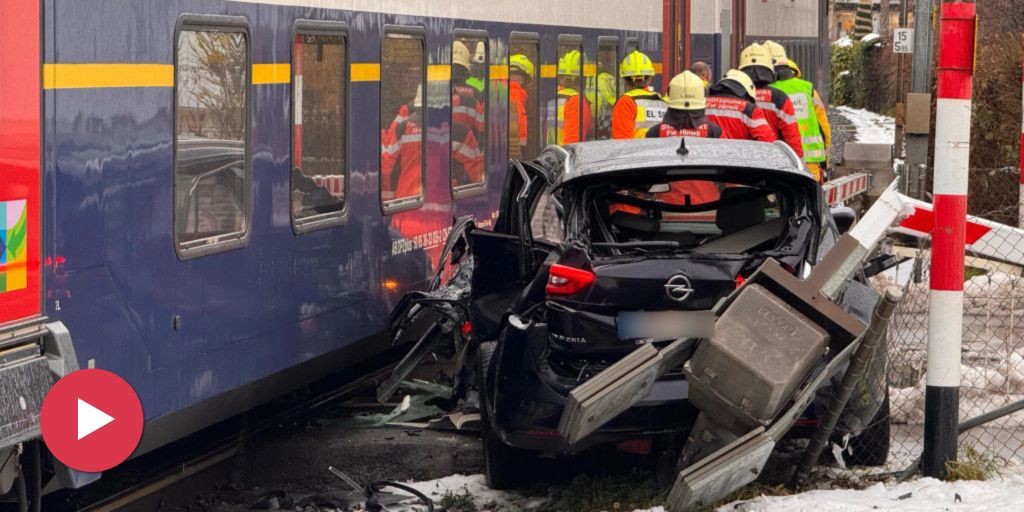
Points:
(90, 419)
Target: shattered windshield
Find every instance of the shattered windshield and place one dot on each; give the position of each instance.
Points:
(703, 215)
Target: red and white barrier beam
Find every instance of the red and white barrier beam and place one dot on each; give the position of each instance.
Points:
(952, 157)
(983, 238)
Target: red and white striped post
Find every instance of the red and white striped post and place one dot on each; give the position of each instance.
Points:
(946, 299)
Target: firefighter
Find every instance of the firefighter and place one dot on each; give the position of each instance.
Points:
(606, 97)
(756, 62)
(467, 120)
(730, 104)
(640, 107)
(570, 101)
(402, 153)
(812, 117)
(521, 74)
(685, 116)
(703, 70)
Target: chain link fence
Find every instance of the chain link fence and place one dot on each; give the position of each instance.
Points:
(993, 339)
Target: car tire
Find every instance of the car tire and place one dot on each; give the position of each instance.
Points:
(504, 466)
(871, 447)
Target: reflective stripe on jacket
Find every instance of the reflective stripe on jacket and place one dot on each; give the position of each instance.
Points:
(801, 93)
(739, 119)
(635, 113)
(401, 159)
(781, 115)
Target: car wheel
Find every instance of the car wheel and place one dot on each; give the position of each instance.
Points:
(505, 467)
(871, 447)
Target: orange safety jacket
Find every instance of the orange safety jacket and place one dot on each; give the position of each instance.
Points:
(401, 159)
(517, 97)
(635, 112)
(569, 117)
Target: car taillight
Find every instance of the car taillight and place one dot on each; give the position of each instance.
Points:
(563, 280)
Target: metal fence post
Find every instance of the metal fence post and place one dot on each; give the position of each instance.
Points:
(946, 298)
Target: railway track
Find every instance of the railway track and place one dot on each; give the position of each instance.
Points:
(189, 474)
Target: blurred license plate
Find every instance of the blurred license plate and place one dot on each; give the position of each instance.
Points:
(660, 325)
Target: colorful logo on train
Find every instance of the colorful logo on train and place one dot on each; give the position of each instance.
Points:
(13, 246)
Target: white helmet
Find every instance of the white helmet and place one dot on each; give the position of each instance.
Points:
(686, 92)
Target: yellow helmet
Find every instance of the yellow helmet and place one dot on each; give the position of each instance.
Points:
(636, 64)
(744, 80)
(756, 55)
(777, 51)
(523, 64)
(792, 65)
(460, 54)
(606, 88)
(686, 92)
(569, 64)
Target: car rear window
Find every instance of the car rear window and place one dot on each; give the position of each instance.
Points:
(699, 215)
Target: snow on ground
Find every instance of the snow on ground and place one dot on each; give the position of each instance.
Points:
(924, 495)
(871, 128)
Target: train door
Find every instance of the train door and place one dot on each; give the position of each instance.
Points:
(20, 242)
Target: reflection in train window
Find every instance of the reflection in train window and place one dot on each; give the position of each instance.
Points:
(319, 135)
(607, 86)
(402, 103)
(524, 108)
(211, 178)
(469, 112)
(573, 116)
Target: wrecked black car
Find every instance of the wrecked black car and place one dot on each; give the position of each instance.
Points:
(593, 244)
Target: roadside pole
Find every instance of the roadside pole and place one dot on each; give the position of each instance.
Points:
(921, 83)
(1020, 203)
(952, 159)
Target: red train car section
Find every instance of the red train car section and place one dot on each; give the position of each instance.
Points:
(20, 76)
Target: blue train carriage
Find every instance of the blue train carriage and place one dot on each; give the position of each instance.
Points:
(221, 201)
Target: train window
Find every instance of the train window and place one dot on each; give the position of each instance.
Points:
(524, 107)
(572, 115)
(470, 66)
(403, 77)
(211, 158)
(319, 127)
(607, 85)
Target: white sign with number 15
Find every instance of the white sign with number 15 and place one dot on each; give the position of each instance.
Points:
(903, 40)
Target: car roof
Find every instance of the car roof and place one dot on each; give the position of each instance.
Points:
(599, 157)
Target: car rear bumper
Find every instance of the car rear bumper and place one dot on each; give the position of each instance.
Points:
(526, 399)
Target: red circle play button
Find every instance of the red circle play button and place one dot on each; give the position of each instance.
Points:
(91, 420)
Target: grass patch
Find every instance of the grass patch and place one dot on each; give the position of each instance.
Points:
(457, 501)
(973, 465)
(615, 493)
(748, 493)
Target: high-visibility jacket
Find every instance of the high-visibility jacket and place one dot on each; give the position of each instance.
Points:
(401, 159)
(801, 92)
(821, 112)
(779, 111)
(569, 117)
(519, 134)
(636, 112)
(739, 119)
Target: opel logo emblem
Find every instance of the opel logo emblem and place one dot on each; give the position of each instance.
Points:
(678, 288)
